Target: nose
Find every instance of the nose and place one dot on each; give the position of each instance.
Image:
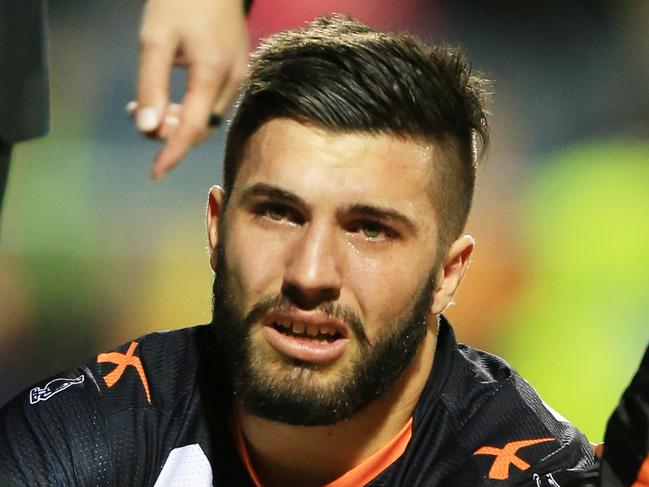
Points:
(312, 275)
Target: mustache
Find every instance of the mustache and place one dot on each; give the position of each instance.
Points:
(282, 304)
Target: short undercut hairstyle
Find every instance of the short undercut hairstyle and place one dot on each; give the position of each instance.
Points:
(341, 75)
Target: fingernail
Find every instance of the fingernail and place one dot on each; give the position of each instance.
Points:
(168, 127)
(130, 107)
(171, 120)
(147, 119)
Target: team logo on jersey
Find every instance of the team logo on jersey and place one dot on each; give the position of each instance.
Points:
(53, 387)
(506, 456)
(124, 360)
(546, 481)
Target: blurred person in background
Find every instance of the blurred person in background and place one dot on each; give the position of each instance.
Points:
(207, 37)
(337, 243)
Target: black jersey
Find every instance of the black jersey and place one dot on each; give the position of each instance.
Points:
(156, 411)
(626, 443)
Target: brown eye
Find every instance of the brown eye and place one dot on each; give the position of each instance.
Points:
(279, 213)
(276, 212)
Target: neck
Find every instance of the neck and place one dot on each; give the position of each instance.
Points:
(316, 455)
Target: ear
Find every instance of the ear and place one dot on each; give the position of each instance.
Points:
(214, 208)
(451, 273)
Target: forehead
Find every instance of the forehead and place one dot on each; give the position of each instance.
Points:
(338, 168)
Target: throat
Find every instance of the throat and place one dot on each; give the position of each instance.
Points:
(305, 464)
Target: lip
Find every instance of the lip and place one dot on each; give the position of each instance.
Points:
(306, 349)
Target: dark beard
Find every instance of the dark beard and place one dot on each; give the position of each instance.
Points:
(291, 398)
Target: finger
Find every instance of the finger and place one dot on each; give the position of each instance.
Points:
(203, 82)
(168, 127)
(157, 53)
(177, 146)
(170, 122)
(179, 141)
(175, 109)
(232, 85)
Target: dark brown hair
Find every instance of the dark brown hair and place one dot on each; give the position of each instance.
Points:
(343, 76)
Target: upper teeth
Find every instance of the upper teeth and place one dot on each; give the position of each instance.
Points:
(311, 329)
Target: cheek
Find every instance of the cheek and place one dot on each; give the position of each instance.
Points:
(254, 265)
(387, 289)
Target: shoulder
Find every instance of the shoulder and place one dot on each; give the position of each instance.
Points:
(111, 416)
(155, 370)
(505, 427)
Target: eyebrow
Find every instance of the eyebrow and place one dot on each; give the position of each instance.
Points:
(263, 190)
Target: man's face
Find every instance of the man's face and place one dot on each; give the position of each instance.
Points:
(325, 269)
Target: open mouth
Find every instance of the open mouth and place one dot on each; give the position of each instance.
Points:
(307, 337)
(318, 333)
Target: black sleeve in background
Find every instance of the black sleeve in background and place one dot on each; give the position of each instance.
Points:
(626, 441)
(24, 86)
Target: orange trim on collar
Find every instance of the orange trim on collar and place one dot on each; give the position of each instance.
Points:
(388, 454)
(643, 474)
(242, 448)
(359, 475)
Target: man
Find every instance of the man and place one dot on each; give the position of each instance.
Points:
(337, 243)
(208, 37)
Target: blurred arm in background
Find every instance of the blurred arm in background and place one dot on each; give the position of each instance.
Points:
(207, 37)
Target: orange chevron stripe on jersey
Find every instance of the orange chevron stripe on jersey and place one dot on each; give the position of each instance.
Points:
(123, 360)
(506, 456)
(643, 475)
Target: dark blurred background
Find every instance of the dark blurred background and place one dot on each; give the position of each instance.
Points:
(94, 253)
